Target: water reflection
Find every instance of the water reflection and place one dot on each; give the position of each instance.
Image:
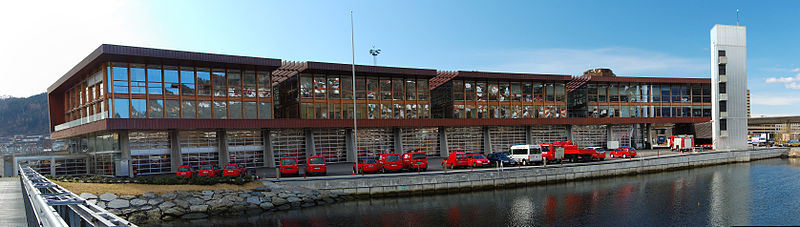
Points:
(736, 194)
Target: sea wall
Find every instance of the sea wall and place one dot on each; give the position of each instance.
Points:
(465, 180)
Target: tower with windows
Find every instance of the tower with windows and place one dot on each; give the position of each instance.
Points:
(729, 86)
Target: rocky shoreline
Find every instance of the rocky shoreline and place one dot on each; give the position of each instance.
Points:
(151, 207)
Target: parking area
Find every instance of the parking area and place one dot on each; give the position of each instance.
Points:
(434, 164)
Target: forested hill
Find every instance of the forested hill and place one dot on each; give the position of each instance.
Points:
(24, 116)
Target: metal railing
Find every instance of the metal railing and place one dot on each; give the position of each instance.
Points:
(48, 204)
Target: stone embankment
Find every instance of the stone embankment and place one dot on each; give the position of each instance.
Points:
(151, 207)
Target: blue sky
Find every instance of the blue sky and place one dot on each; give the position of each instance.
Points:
(634, 38)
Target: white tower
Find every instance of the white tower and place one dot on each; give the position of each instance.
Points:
(729, 86)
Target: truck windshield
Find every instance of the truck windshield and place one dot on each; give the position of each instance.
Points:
(316, 161)
(205, 167)
(518, 151)
(418, 156)
(545, 148)
(393, 158)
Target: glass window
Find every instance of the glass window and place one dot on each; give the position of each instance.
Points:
(218, 78)
(347, 111)
(398, 92)
(154, 78)
(347, 87)
(386, 89)
(373, 87)
(204, 109)
(505, 92)
(138, 108)
(203, 82)
(307, 111)
(187, 81)
(411, 88)
(120, 72)
(334, 111)
(264, 84)
(494, 91)
(386, 111)
(333, 87)
(250, 110)
(550, 93)
(321, 110)
(156, 108)
(138, 79)
(516, 92)
(171, 82)
(319, 86)
(372, 111)
(234, 109)
(234, 83)
(220, 109)
(188, 109)
(121, 108)
(305, 86)
(264, 110)
(249, 84)
(423, 91)
(560, 95)
(458, 90)
(172, 108)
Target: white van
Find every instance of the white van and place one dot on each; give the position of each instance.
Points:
(526, 154)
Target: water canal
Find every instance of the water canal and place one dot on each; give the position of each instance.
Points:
(765, 192)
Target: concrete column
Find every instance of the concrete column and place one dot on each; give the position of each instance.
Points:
(350, 149)
(398, 140)
(569, 132)
(124, 167)
(528, 135)
(310, 151)
(444, 150)
(14, 165)
(487, 141)
(52, 166)
(609, 136)
(175, 159)
(222, 145)
(269, 152)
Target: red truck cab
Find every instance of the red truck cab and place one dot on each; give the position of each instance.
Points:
(477, 160)
(288, 166)
(233, 170)
(366, 165)
(316, 165)
(209, 171)
(624, 152)
(455, 159)
(184, 171)
(415, 161)
(390, 162)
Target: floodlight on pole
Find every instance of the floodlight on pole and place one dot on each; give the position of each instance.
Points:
(374, 52)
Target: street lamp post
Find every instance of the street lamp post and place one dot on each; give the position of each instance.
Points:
(353, 65)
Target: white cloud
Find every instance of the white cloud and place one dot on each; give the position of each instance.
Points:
(41, 41)
(790, 82)
(796, 70)
(623, 61)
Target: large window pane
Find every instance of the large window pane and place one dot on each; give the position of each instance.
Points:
(249, 81)
(156, 108)
(139, 108)
(398, 92)
(386, 89)
(172, 108)
(250, 110)
(154, 78)
(234, 83)
(120, 72)
(121, 108)
(235, 110)
(171, 81)
(305, 86)
(220, 109)
(203, 82)
(264, 85)
(347, 87)
(218, 76)
(264, 110)
(204, 109)
(187, 81)
(333, 87)
(319, 86)
(138, 79)
(188, 109)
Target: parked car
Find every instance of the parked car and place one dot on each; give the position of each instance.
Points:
(415, 161)
(316, 165)
(233, 170)
(184, 171)
(500, 157)
(792, 143)
(390, 162)
(527, 154)
(599, 153)
(477, 160)
(366, 165)
(209, 171)
(624, 152)
(288, 166)
(455, 159)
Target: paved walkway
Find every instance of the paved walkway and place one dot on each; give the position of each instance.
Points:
(12, 208)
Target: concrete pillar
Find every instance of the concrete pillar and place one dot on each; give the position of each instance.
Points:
(14, 165)
(52, 166)
(398, 140)
(528, 135)
(569, 132)
(444, 150)
(349, 146)
(124, 167)
(487, 141)
(310, 151)
(269, 152)
(608, 134)
(175, 159)
(222, 144)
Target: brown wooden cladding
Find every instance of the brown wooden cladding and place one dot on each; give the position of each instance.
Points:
(650, 80)
(365, 70)
(112, 124)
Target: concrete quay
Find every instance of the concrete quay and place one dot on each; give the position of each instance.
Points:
(467, 180)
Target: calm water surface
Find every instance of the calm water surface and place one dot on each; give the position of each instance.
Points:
(759, 193)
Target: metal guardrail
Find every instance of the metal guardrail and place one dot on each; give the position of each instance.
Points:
(48, 204)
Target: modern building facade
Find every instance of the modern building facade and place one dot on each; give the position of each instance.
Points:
(729, 80)
(138, 111)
